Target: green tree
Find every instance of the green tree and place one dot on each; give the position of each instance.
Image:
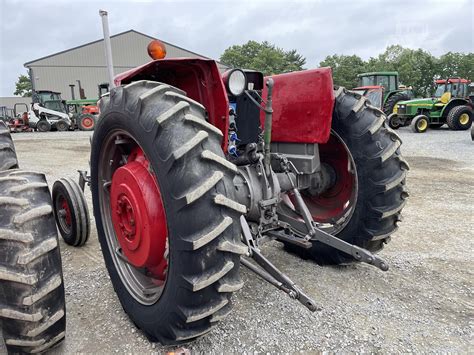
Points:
(415, 67)
(23, 86)
(264, 57)
(455, 65)
(344, 69)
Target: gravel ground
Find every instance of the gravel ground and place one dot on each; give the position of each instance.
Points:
(423, 303)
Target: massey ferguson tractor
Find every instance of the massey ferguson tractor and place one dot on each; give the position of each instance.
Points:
(193, 171)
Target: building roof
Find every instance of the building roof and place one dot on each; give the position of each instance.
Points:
(32, 62)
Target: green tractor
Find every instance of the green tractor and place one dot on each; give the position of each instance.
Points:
(383, 89)
(450, 105)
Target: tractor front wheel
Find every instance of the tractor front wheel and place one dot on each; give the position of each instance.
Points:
(460, 118)
(393, 121)
(364, 205)
(165, 211)
(419, 124)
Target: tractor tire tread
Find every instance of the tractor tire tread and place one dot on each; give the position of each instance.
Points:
(31, 281)
(199, 180)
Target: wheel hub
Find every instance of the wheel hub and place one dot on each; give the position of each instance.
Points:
(138, 215)
(464, 119)
(87, 122)
(65, 212)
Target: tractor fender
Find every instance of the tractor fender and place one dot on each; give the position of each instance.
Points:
(199, 78)
(453, 103)
(303, 103)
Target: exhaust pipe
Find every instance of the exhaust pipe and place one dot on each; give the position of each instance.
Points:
(108, 47)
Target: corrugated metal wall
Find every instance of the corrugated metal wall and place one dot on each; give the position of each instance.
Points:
(87, 64)
(12, 100)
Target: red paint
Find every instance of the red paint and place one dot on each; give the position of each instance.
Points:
(334, 202)
(91, 109)
(302, 106)
(452, 80)
(87, 122)
(67, 211)
(138, 215)
(199, 78)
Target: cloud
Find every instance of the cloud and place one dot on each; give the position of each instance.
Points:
(314, 28)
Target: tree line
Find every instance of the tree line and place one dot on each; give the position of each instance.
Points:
(416, 67)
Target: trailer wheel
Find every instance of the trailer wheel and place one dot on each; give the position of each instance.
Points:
(419, 124)
(43, 126)
(62, 126)
(8, 159)
(364, 205)
(460, 118)
(71, 212)
(165, 211)
(86, 122)
(32, 310)
(389, 105)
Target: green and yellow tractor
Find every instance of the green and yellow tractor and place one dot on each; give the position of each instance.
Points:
(450, 105)
(383, 89)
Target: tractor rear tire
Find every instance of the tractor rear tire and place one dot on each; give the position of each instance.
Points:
(32, 306)
(201, 216)
(86, 122)
(381, 173)
(393, 100)
(71, 212)
(419, 124)
(43, 126)
(8, 159)
(460, 118)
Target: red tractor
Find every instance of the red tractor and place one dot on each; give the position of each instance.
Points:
(192, 171)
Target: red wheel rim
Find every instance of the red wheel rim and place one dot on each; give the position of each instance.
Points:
(65, 215)
(336, 204)
(87, 122)
(138, 216)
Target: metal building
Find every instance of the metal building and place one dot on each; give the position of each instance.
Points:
(86, 63)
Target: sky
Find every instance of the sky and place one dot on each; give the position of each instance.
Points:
(31, 29)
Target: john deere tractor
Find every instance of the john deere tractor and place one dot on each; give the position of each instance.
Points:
(450, 105)
(383, 89)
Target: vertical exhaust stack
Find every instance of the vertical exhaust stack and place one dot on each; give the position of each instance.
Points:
(108, 47)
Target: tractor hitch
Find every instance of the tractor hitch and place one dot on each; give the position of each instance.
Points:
(319, 235)
(270, 272)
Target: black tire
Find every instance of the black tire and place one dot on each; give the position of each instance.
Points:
(32, 307)
(62, 126)
(457, 115)
(419, 124)
(389, 105)
(202, 273)
(8, 159)
(393, 121)
(86, 122)
(43, 126)
(381, 173)
(71, 212)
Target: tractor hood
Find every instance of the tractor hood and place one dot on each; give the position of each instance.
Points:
(418, 102)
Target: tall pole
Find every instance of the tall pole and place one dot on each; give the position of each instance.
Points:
(108, 47)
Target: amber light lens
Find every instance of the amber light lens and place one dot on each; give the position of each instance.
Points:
(156, 49)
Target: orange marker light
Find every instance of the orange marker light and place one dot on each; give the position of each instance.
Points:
(156, 49)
